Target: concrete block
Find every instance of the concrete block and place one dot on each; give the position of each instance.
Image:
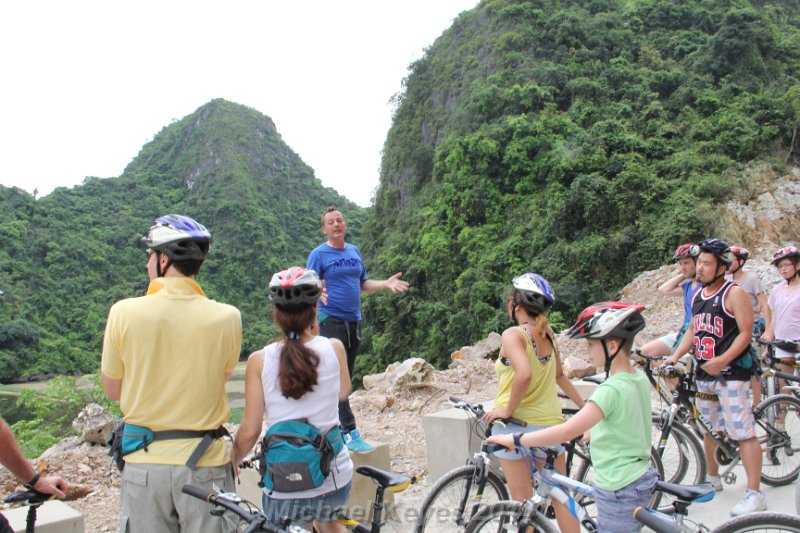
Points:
(362, 495)
(585, 389)
(449, 440)
(52, 517)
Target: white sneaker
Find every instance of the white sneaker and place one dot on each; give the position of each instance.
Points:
(751, 502)
(715, 481)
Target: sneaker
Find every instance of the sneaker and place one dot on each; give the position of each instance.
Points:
(753, 501)
(715, 481)
(355, 443)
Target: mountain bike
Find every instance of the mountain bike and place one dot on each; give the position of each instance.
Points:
(528, 515)
(459, 494)
(685, 495)
(780, 442)
(34, 499)
(256, 520)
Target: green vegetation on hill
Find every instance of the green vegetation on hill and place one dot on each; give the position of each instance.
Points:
(583, 140)
(67, 257)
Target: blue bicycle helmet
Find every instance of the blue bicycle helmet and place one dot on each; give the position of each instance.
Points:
(719, 248)
(179, 237)
(533, 291)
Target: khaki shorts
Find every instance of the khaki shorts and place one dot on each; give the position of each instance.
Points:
(732, 412)
(152, 499)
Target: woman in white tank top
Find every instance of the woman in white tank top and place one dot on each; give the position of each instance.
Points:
(302, 376)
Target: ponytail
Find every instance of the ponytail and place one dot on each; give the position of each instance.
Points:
(542, 327)
(297, 368)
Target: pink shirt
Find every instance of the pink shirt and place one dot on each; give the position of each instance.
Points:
(785, 312)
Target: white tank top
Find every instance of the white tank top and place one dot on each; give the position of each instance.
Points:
(320, 407)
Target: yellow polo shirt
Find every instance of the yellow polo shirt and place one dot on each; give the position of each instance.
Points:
(172, 348)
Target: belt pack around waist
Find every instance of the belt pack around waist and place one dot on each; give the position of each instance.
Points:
(128, 438)
(297, 456)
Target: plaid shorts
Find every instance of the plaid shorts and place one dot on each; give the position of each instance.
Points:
(732, 412)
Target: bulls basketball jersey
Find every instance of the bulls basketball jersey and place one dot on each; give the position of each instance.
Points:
(715, 329)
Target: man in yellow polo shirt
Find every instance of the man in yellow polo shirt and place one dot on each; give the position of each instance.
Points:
(166, 358)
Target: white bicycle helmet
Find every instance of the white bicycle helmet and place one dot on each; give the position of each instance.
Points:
(179, 237)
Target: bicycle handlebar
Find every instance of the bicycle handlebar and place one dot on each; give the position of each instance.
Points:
(257, 520)
(28, 496)
(478, 411)
(791, 346)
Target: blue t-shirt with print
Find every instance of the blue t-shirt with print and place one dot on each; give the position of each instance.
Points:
(688, 296)
(343, 271)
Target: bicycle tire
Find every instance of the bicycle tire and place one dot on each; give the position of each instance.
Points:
(684, 460)
(583, 474)
(444, 498)
(781, 459)
(761, 522)
(509, 516)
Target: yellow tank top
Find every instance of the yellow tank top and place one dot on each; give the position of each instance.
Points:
(540, 405)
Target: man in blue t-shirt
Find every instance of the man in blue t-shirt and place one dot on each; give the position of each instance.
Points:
(342, 270)
(682, 285)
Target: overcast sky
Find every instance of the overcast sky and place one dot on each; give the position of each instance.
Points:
(86, 83)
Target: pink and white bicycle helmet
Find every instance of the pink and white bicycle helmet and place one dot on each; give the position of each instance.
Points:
(295, 286)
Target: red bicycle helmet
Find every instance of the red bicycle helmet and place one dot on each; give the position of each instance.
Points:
(740, 252)
(783, 253)
(686, 250)
(608, 320)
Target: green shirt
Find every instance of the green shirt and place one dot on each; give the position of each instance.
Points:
(621, 441)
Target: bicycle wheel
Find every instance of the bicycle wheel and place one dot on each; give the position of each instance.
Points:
(585, 473)
(683, 458)
(761, 522)
(445, 508)
(778, 432)
(509, 516)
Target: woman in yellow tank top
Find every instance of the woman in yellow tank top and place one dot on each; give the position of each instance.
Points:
(528, 371)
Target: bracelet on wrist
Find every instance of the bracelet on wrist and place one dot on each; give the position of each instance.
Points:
(517, 439)
(32, 483)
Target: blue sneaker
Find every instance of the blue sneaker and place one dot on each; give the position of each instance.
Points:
(355, 443)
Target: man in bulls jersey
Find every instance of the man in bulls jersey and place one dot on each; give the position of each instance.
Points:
(720, 333)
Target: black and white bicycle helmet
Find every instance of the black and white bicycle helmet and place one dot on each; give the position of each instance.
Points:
(295, 286)
(606, 320)
(179, 237)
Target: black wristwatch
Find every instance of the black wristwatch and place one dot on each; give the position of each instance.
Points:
(517, 437)
(30, 484)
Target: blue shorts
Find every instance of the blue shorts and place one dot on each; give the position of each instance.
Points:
(615, 507)
(302, 511)
(513, 428)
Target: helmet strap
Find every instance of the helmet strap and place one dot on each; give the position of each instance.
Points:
(717, 277)
(609, 358)
(160, 273)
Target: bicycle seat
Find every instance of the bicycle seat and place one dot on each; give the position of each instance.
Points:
(688, 493)
(391, 481)
(594, 379)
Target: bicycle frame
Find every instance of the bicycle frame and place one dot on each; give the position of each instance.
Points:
(560, 487)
